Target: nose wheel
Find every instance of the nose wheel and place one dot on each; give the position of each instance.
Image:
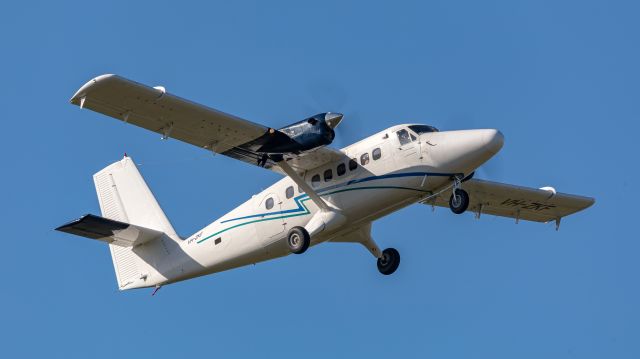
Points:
(298, 240)
(459, 201)
(389, 261)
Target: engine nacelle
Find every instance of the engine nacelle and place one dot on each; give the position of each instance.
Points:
(313, 132)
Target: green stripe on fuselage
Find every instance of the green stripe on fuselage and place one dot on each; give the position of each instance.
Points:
(305, 210)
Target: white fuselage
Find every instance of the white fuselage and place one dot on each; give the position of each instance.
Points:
(395, 175)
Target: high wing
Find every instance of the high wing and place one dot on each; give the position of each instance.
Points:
(505, 200)
(156, 110)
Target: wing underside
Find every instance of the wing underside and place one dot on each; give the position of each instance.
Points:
(505, 200)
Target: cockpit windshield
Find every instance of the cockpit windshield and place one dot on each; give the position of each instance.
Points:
(420, 129)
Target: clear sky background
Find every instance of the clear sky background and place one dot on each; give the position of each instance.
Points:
(560, 79)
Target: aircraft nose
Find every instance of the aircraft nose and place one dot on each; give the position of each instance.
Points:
(492, 140)
(465, 150)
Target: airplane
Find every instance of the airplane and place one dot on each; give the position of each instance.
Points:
(326, 195)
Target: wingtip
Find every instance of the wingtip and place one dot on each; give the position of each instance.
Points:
(76, 99)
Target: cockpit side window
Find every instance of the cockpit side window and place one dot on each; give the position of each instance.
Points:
(403, 136)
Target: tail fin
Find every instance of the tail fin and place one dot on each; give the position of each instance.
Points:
(125, 197)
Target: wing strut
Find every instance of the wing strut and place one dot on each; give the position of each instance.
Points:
(300, 182)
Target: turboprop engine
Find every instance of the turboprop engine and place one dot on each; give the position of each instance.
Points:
(313, 132)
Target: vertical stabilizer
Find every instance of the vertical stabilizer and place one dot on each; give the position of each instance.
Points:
(124, 196)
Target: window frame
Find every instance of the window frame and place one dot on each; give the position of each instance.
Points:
(400, 139)
(315, 182)
(328, 172)
(363, 157)
(354, 162)
(373, 153)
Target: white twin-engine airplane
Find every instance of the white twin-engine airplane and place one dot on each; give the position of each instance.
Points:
(327, 195)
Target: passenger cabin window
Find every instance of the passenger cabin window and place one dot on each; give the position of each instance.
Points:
(364, 159)
(289, 192)
(328, 175)
(376, 154)
(341, 170)
(315, 181)
(269, 203)
(353, 164)
(403, 136)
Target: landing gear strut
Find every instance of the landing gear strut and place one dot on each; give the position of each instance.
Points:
(389, 261)
(298, 240)
(459, 201)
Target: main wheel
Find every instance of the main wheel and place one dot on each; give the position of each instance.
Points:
(389, 262)
(459, 201)
(298, 240)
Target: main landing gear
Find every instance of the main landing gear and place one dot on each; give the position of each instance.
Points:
(459, 201)
(389, 261)
(298, 240)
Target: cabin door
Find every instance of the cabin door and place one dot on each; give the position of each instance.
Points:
(269, 222)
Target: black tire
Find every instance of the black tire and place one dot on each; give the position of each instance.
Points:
(461, 204)
(389, 262)
(298, 240)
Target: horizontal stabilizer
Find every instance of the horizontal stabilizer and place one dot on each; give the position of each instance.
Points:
(110, 231)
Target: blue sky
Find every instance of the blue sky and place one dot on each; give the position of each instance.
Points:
(558, 78)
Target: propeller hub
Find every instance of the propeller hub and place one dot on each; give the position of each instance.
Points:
(333, 119)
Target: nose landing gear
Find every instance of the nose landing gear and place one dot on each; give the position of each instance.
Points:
(459, 201)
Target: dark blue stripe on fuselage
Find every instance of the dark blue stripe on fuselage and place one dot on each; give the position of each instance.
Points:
(355, 181)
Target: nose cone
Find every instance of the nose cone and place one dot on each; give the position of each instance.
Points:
(333, 119)
(464, 151)
(492, 140)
